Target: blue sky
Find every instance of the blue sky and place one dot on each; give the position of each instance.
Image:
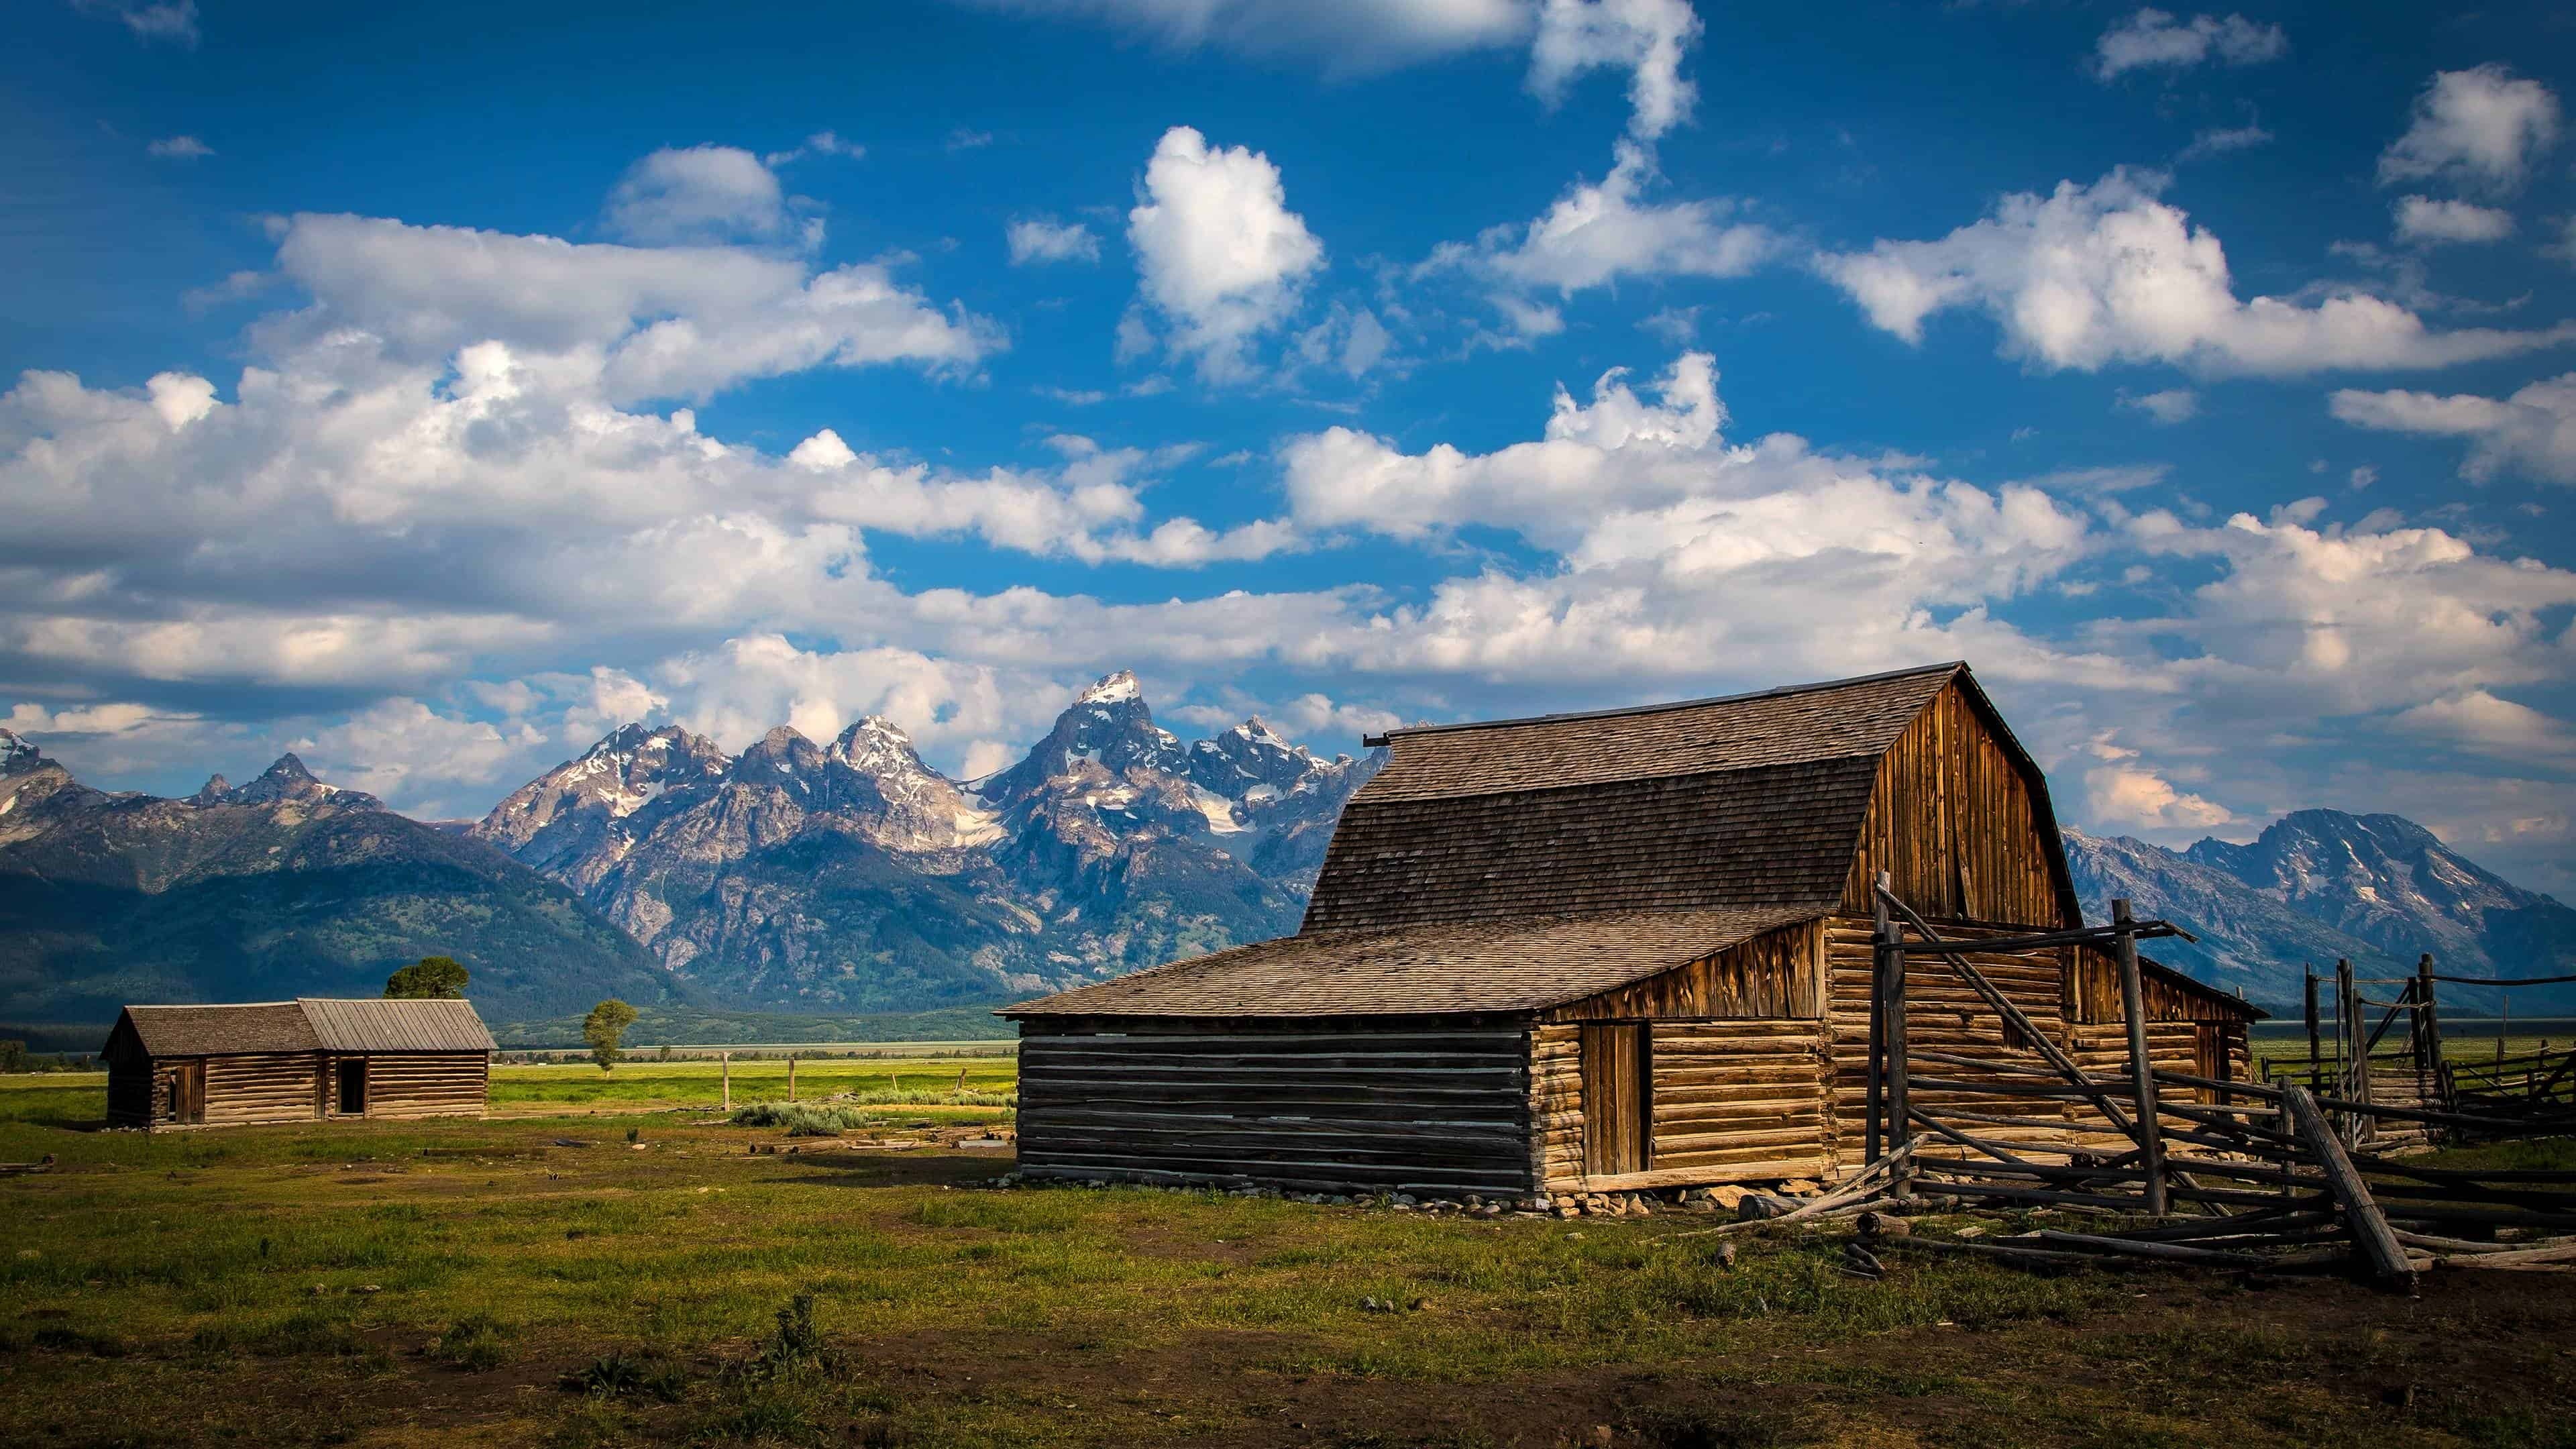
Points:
(431, 393)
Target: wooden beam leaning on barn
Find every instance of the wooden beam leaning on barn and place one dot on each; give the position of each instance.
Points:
(1954, 954)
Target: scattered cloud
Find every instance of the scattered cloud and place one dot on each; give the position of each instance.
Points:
(1345, 37)
(821, 143)
(2478, 128)
(2477, 720)
(1598, 233)
(1218, 253)
(2158, 40)
(179, 148)
(2123, 792)
(699, 195)
(2533, 431)
(963, 139)
(2173, 405)
(150, 20)
(2427, 222)
(1041, 240)
(1646, 38)
(1676, 326)
(2218, 141)
(683, 321)
(2088, 276)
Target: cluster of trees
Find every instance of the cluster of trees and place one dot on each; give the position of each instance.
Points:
(442, 978)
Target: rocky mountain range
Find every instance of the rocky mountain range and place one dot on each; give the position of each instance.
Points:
(279, 887)
(2318, 885)
(852, 876)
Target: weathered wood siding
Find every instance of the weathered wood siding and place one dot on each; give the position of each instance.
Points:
(1438, 1105)
(1776, 974)
(1957, 827)
(1943, 1014)
(1730, 1101)
(259, 1088)
(1740, 1098)
(431, 1084)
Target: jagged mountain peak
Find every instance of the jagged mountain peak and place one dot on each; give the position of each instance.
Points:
(288, 780)
(1116, 687)
(19, 755)
(1108, 725)
(214, 792)
(876, 745)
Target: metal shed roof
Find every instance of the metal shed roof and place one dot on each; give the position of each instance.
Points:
(308, 1024)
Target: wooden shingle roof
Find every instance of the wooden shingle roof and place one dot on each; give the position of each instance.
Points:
(1519, 965)
(1745, 802)
(211, 1031)
(308, 1024)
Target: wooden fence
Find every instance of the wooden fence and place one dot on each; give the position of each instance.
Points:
(2280, 1176)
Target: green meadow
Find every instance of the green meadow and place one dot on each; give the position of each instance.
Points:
(547, 1280)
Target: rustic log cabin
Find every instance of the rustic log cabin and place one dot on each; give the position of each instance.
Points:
(306, 1060)
(1608, 952)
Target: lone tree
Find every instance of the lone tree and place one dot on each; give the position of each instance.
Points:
(431, 978)
(605, 1024)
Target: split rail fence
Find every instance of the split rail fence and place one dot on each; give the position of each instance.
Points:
(2273, 1176)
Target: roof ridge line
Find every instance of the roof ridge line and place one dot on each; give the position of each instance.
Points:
(1368, 741)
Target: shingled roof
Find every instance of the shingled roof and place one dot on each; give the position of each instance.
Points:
(1742, 802)
(308, 1024)
(1517, 864)
(1519, 965)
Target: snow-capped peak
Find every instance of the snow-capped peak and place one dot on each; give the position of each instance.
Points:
(16, 754)
(1112, 689)
(877, 746)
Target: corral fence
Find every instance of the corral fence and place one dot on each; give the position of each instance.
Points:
(2291, 1174)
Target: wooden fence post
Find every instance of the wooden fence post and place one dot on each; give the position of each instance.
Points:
(2314, 1056)
(727, 1059)
(1900, 1126)
(791, 1076)
(2151, 1150)
(1878, 955)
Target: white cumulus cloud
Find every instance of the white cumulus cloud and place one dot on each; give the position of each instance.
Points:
(2428, 222)
(2533, 430)
(1646, 38)
(1039, 239)
(698, 194)
(2481, 127)
(2159, 40)
(1218, 252)
(2088, 276)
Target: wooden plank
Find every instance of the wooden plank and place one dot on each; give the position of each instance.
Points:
(2376, 1242)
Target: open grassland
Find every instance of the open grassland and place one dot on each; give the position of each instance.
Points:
(402, 1284)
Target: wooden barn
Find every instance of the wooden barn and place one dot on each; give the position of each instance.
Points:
(306, 1060)
(1607, 952)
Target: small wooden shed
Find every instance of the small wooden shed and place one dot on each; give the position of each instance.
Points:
(1605, 952)
(311, 1059)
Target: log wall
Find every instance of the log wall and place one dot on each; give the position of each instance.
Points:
(1943, 1014)
(428, 1084)
(1957, 826)
(1436, 1105)
(1731, 1101)
(261, 1087)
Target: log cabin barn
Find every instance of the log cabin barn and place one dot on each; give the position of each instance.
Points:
(308, 1060)
(1609, 952)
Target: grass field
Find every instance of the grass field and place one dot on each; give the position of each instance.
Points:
(386, 1284)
